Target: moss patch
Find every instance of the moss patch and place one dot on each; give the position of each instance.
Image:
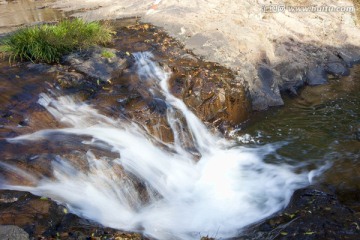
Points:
(107, 54)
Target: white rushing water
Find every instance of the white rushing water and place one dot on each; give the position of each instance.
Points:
(182, 197)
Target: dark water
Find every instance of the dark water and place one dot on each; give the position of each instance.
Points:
(321, 125)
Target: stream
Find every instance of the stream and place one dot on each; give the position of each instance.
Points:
(80, 149)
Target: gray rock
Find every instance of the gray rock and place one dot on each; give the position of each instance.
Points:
(316, 76)
(337, 69)
(267, 92)
(158, 105)
(10, 232)
(92, 63)
(265, 74)
(349, 57)
(292, 77)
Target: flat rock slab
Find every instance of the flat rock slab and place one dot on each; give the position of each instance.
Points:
(95, 63)
(10, 232)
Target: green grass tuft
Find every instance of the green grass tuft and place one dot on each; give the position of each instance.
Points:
(47, 43)
(107, 54)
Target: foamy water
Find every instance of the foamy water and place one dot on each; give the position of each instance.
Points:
(181, 196)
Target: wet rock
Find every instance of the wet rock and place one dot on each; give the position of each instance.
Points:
(316, 76)
(27, 211)
(292, 77)
(311, 214)
(216, 100)
(337, 69)
(45, 68)
(42, 218)
(211, 91)
(70, 79)
(93, 63)
(266, 92)
(10, 232)
(237, 105)
(158, 105)
(149, 112)
(38, 67)
(159, 128)
(349, 57)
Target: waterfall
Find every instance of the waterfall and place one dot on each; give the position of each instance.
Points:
(162, 191)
